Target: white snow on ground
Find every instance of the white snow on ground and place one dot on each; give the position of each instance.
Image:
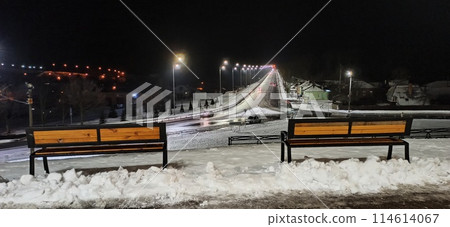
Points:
(230, 172)
(223, 172)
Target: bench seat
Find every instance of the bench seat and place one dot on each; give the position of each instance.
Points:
(88, 150)
(344, 142)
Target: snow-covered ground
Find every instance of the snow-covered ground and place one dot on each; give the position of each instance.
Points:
(223, 173)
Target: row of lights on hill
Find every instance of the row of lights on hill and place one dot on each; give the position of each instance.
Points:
(99, 68)
(65, 66)
(248, 69)
(24, 66)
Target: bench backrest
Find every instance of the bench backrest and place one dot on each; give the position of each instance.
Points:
(95, 135)
(348, 127)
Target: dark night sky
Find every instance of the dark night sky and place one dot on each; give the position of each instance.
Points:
(377, 38)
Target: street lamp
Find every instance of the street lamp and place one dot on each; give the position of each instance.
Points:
(232, 78)
(349, 73)
(240, 76)
(220, 76)
(175, 66)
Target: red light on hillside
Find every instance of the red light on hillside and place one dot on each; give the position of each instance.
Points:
(114, 88)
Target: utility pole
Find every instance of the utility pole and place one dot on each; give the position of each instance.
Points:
(340, 76)
(30, 107)
(30, 103)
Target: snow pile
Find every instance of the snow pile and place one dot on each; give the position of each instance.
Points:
(71, 188)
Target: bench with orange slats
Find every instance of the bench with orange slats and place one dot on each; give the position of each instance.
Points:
(95, 139)
(346, 132)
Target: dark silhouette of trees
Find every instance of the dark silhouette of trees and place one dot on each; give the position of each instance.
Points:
(83, 94)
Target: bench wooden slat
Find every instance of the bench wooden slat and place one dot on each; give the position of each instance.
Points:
(334, 130)
(99, 151)
(126, 134)
(65, 136)
(378, 127)
(331, 128)
(304, 142)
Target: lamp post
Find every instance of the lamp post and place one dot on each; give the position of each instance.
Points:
(349, 73)
(220, 77)
(235, 68)
(175, 66)
(240, 77)
(232, 78)
(244, 68)
(220, 74)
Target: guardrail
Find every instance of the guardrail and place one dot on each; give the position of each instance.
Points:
(430, 133)
(415, 133)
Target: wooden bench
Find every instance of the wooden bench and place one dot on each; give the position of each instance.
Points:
(345, 132)
(95, 139)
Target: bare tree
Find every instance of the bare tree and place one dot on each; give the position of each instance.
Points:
(83, 94)
(5, 106)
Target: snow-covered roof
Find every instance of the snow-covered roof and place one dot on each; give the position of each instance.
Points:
(310, 86)
(309, 89)
(362, 84)
(440, 83)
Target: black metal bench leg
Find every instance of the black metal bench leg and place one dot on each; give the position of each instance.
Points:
(407, 152)
(282, 152)
(229, 141)
(31, 165)
(389, 156)
(289, 154)
(165, 158)
(44, 159)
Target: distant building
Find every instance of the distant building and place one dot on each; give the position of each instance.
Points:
(439, 91)
(311, 90)
(407, 95)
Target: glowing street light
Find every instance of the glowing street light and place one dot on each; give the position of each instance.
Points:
(349, 73)
(175, 66)
(180, 57)
(220, 74)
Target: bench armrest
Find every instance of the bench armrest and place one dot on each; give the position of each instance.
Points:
(284, 136)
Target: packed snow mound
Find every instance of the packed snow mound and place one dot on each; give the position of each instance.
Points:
(168, 186)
